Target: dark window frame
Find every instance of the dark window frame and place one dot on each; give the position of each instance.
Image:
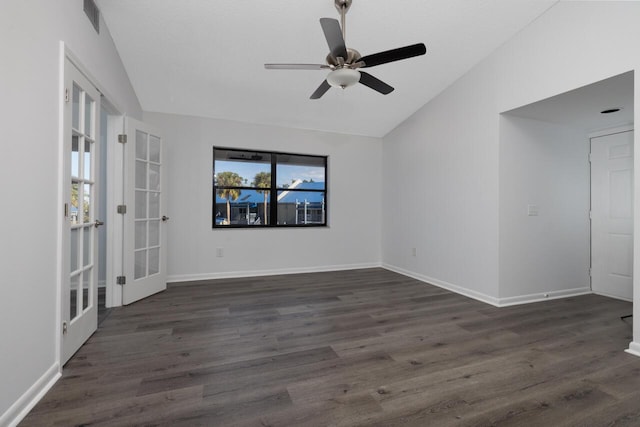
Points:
(273, 189)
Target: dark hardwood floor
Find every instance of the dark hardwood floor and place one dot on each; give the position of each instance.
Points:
(103, 311)
(350, 348)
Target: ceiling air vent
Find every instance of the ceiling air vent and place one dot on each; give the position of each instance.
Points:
(93, 13)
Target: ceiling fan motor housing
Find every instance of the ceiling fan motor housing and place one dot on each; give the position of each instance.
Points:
(352, 57)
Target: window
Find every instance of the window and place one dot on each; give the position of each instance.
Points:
(268, 189)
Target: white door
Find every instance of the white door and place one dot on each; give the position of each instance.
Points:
(80, 269)
(612, 215)
(145, 222)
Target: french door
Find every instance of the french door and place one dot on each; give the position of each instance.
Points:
(80, 269)
(612, 215)
(145, 223)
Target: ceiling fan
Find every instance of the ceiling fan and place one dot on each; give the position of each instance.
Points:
(345, 63)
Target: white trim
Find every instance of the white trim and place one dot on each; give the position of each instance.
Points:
(115, 153)
(604, 294)
(496, 302)
(95, 82)
(611, 131)
(543, 296)
(275, 272)
(60, 256)
(108, 189)
(28, 400)
(634, 348)
(445, 285)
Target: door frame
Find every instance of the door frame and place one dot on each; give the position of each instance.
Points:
(590, 136)
(65, 53)
(113, 183)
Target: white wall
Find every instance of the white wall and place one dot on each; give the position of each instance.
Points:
(30, 35)
(441, 167)
(440, 193)
(545, 165)
(352, 239)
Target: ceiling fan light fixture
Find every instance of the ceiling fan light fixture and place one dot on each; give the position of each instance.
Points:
(343, 77)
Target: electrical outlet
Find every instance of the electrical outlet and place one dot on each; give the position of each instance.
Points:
(414, 252)
(219, 252)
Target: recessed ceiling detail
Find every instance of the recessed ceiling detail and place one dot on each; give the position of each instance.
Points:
(581, 108)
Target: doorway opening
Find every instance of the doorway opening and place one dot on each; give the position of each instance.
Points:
(81, 222)
(104, 307)
(87, 226)
(546, 189)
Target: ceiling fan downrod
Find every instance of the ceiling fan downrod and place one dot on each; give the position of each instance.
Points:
(343, 7)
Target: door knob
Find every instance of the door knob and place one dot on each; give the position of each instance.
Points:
(165, 218)
(98, 223)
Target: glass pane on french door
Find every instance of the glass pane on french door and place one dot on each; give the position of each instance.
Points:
(81, 127)
(147, 207)
(82, 210)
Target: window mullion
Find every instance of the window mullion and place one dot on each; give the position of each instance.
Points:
(273, 206)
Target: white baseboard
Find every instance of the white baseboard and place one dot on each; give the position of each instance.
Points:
(445, 285)
(543, 296)
(28, 400)
(496, 302)
(254, 273)
(634, 348)
(604, 294)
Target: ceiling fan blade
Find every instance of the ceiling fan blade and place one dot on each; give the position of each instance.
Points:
(322, 89)
(333, 34)
(394, 55)
(374, 83)
(296, 66)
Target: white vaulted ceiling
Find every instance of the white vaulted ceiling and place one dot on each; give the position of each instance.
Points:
(206, 57)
